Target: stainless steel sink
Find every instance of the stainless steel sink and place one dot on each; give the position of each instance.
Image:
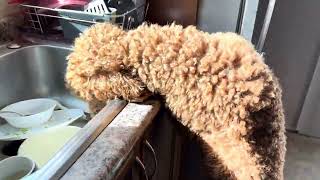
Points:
(35, 71)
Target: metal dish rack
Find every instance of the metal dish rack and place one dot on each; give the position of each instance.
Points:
(38, 18)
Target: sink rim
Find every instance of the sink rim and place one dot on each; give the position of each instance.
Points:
(4, 51)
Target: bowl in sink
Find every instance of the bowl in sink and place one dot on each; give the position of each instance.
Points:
(29, 113)
(52, 141)
(16, 167)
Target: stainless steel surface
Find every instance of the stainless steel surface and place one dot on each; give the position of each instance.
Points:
(250, 14)
(240, 16)
(35, 71)
(265, 26)
(38, 71)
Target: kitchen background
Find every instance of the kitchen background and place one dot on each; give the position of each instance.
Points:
(291, 49)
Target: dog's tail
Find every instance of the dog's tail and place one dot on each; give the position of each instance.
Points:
(253, 148)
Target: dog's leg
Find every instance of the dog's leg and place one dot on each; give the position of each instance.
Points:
(234, 154)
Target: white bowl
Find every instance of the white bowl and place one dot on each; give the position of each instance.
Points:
(38, 111)
(16, 167)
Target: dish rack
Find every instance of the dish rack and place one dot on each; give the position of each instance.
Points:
(40, 19)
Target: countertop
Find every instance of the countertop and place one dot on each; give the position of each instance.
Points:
(106, 155)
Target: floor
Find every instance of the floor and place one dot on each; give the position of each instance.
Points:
(303, 158)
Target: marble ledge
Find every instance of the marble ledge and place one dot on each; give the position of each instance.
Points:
(113, 145)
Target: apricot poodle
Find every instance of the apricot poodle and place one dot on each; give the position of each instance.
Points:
(216, 84)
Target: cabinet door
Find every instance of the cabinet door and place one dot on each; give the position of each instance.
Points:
(162, 138)
(165, 141)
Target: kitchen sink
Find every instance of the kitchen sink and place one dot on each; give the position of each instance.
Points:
(35, 71)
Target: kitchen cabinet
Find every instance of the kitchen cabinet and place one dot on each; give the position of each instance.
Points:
(166, 140)
(178, 153)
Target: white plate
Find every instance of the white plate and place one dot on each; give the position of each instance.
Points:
(53, 141)
(59, 118)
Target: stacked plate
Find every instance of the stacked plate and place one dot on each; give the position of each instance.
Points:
(24, 119)
(44, 123)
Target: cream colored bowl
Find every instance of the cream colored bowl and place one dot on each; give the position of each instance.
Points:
(42, 147)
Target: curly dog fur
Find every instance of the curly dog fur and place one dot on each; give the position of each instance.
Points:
(217, 85)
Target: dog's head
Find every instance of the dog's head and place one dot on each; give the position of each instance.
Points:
(96, 70)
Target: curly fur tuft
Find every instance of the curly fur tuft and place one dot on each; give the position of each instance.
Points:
(216, 84)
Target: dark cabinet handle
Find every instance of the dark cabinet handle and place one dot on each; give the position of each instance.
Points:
(143, 168)
(155, 161)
